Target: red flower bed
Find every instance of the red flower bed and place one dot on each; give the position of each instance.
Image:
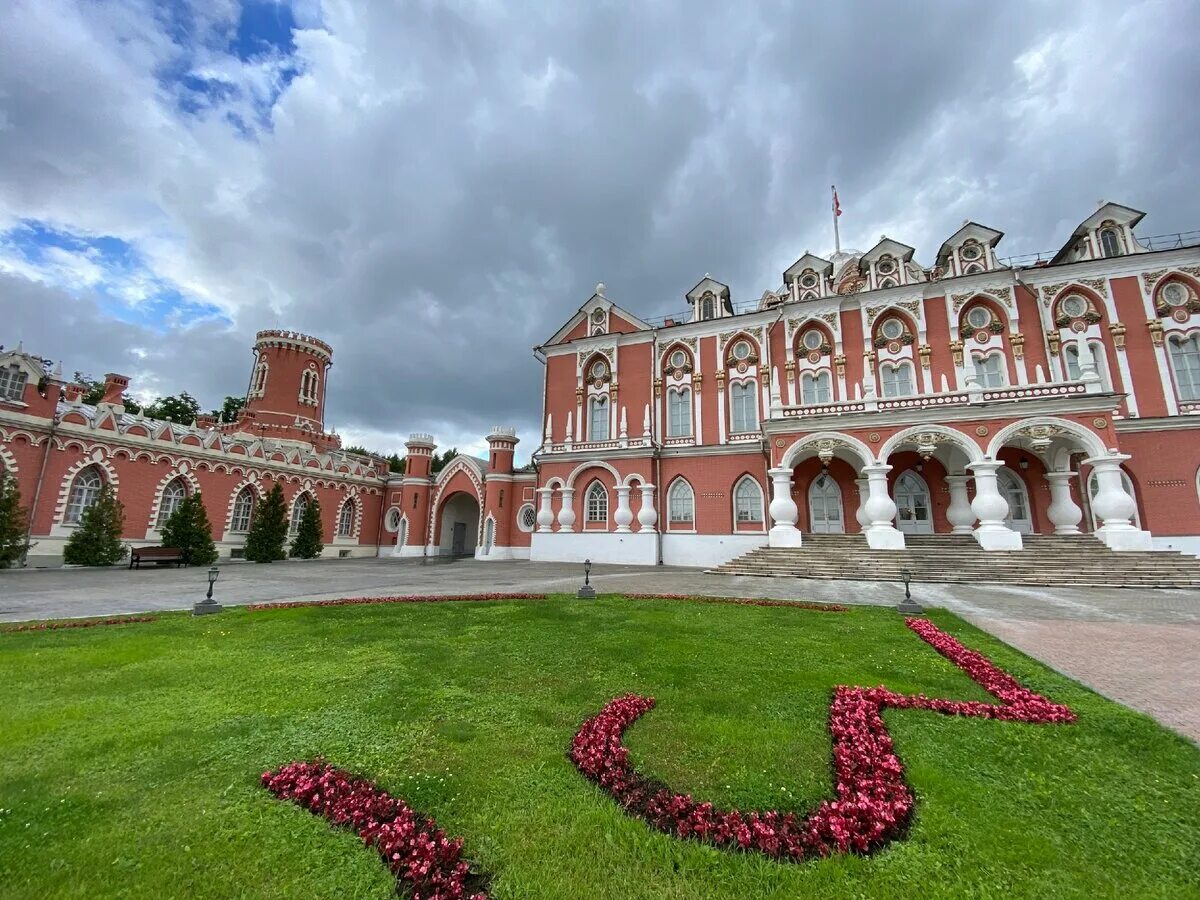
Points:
(427, 864)
(82, 623)
(874, 803)
(412, 598)
(743, 601)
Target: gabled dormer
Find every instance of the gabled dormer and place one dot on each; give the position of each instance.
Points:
(809, 277)
(888, 264)
(597, 316)
(1105, 233)
(19, 374)
(969, 250)
(709, 300)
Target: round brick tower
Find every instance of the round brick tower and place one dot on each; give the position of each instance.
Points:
(287, 383)
(499, 501)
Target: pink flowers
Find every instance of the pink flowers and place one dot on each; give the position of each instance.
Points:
(743, 601)
(418, 853)
(873, 803)
(81, 623)
(411, 598)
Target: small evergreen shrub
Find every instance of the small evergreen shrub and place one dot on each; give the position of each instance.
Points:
(308, 543)
(97, 540)
(268, 528)
(14, 523)
(189, 531)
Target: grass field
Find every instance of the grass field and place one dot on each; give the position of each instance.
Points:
(130, 755)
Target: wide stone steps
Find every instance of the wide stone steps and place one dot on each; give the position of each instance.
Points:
(1047, 560)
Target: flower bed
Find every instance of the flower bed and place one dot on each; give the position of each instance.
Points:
(411, 598)
(874, 803)
(427, 864)
(82, 623)
(743, 601)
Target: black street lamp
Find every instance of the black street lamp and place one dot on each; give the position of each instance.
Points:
(907, 605)
(208, 604)
(587, 592)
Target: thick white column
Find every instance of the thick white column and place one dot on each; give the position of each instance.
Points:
(864, 493)
(1063, 512)
(959, 513)
(545, 516)
(881, 510)
(784, 532)
(991, 509)
(647, 515)
(624, 515)
(1114, 507)
(566, 514)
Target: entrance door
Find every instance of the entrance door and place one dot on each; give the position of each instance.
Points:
(1013, 490)
(825, 506)
(913, 509)
(459, 546)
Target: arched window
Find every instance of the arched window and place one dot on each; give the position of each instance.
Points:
(84, 491)
(346, 519)
(1185, 363)
(679, 412)
(989, 369)
(243, 509)
(402, 536)
(816, 387)
(173, 495)
(1012, 488)
(1075, 372)
(260, 377)
(748, 501)
(598, 419)
(707, 308)
(681, 505)
(298, 509)
(897, 379)
(1110, 242)
(596, 503)
(743, 407)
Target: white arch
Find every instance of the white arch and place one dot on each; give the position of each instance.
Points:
(671, 488)
(554, 483)
(790, 456)
(631, 478)
(960, 440)
(178, 471)
(95, 458)
(1092, 444)
(597, 463)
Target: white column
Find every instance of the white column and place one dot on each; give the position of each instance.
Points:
(991, 509)
(1063, 512)
(566, 514)
(959, 513)
(881, 510)
(864, 493)
(624, 515)
(647, 515)
(1114, 507)
(784, 532)
(545, 516)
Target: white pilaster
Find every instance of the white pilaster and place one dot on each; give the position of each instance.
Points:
(959, 513)
(1063, 512)
(1114, 507)
(784, 532)
(881, 510)
(990, 507)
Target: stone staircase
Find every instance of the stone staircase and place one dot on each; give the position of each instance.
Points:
(1046, 560)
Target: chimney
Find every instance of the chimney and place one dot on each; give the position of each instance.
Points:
(114, 389)
(74, 393)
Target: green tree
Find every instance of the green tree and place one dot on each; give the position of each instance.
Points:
(396, 464)
(229, 409)
(189, 531)
(182, 409)
(268, 528)
(14, 523)
(308, 542)
(437, 463)
(95, 393)
(97, 540)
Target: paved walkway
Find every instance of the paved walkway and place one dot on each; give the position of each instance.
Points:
(1141, 647)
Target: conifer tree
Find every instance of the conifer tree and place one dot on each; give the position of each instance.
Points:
(189, 531)
(97, 540)
(268, 528)
(14, 522)
(308, 542)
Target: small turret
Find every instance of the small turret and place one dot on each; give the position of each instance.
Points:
(502, 441)
(420, 455)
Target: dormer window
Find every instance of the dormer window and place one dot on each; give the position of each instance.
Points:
(12, 382)
(707, 307)
(1110, 242)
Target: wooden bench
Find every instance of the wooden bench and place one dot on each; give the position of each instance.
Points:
(156, 555)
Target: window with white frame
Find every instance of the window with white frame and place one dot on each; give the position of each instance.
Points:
(816, 387)
(681, 505)
(527, 518)
(707, 308)
(989, 369)
(598, 419)
(1185, 363)
(748, 501)
(173, 495)
(596, 503)
(743, 404)
(308, 386)
(12, 382)
(260, 378)
(346, 519)
(1110, 242)
(679, 412)
(84, 491)
(298, 509)
(1070, 355)
(243, 509)
(897, 379)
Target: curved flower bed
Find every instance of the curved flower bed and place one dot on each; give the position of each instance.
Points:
(873, 804)
(410, 598)
(82, 623)
(427, 864)
(743, 601)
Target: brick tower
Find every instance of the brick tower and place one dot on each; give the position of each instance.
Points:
(286, 396)
(499, 494)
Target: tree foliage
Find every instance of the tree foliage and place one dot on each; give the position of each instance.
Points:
(396, 464)
(95, 393)
(182, 409)
(440, 461)
(268, 528)
(308, 542)
(14, 523)
(97, 539)
(189, 531)
(229, 409)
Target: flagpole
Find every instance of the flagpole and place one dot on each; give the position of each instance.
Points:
(837, 238)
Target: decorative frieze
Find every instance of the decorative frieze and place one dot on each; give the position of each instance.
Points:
(1003, 295)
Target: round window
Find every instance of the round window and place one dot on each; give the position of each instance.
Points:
(1175, 294)
(1074, 307)
(971, 251)
(808, 280)
(527, 518)
(597, 316)
(393, 519)
(812, 340)
(979, 317)
(598, 369)
(678, 359)
(892, 329)
(886, 266)
(741, 350)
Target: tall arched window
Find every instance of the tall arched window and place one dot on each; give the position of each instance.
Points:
(747, 501)
(346, 519)
(707, 308)
(1185, 363)
(897, 379)
(598, 419)
(173, 495)
(402, 535)
(596, 505)
(84, 491)
(681, 505)
(743, 404)
(243, 509)
(679, 412)
(816, 387)
(1075, 372)
(298, 509)
(1110, 242)
(989, 369)
(260, 377)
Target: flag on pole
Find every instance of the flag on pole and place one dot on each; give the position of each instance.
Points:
(837, 207)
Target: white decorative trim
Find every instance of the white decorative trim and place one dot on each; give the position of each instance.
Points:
(181, 470)
(260, 494)
(960, 440)
(8, 462)
(95, 458)
(356, 526)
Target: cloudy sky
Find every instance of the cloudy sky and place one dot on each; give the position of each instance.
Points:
(435, 188)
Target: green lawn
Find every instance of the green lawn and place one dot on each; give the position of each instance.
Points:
(130, 755)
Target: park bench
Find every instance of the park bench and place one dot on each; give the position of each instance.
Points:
(156, 555)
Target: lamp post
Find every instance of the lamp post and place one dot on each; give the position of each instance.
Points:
(208, 604)
(587, 592)
(907, 605)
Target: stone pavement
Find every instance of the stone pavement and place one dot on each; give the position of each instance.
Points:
(1140, 647)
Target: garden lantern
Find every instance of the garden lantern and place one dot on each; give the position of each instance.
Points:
(907, 606)
(208, 605)
(587, 592)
